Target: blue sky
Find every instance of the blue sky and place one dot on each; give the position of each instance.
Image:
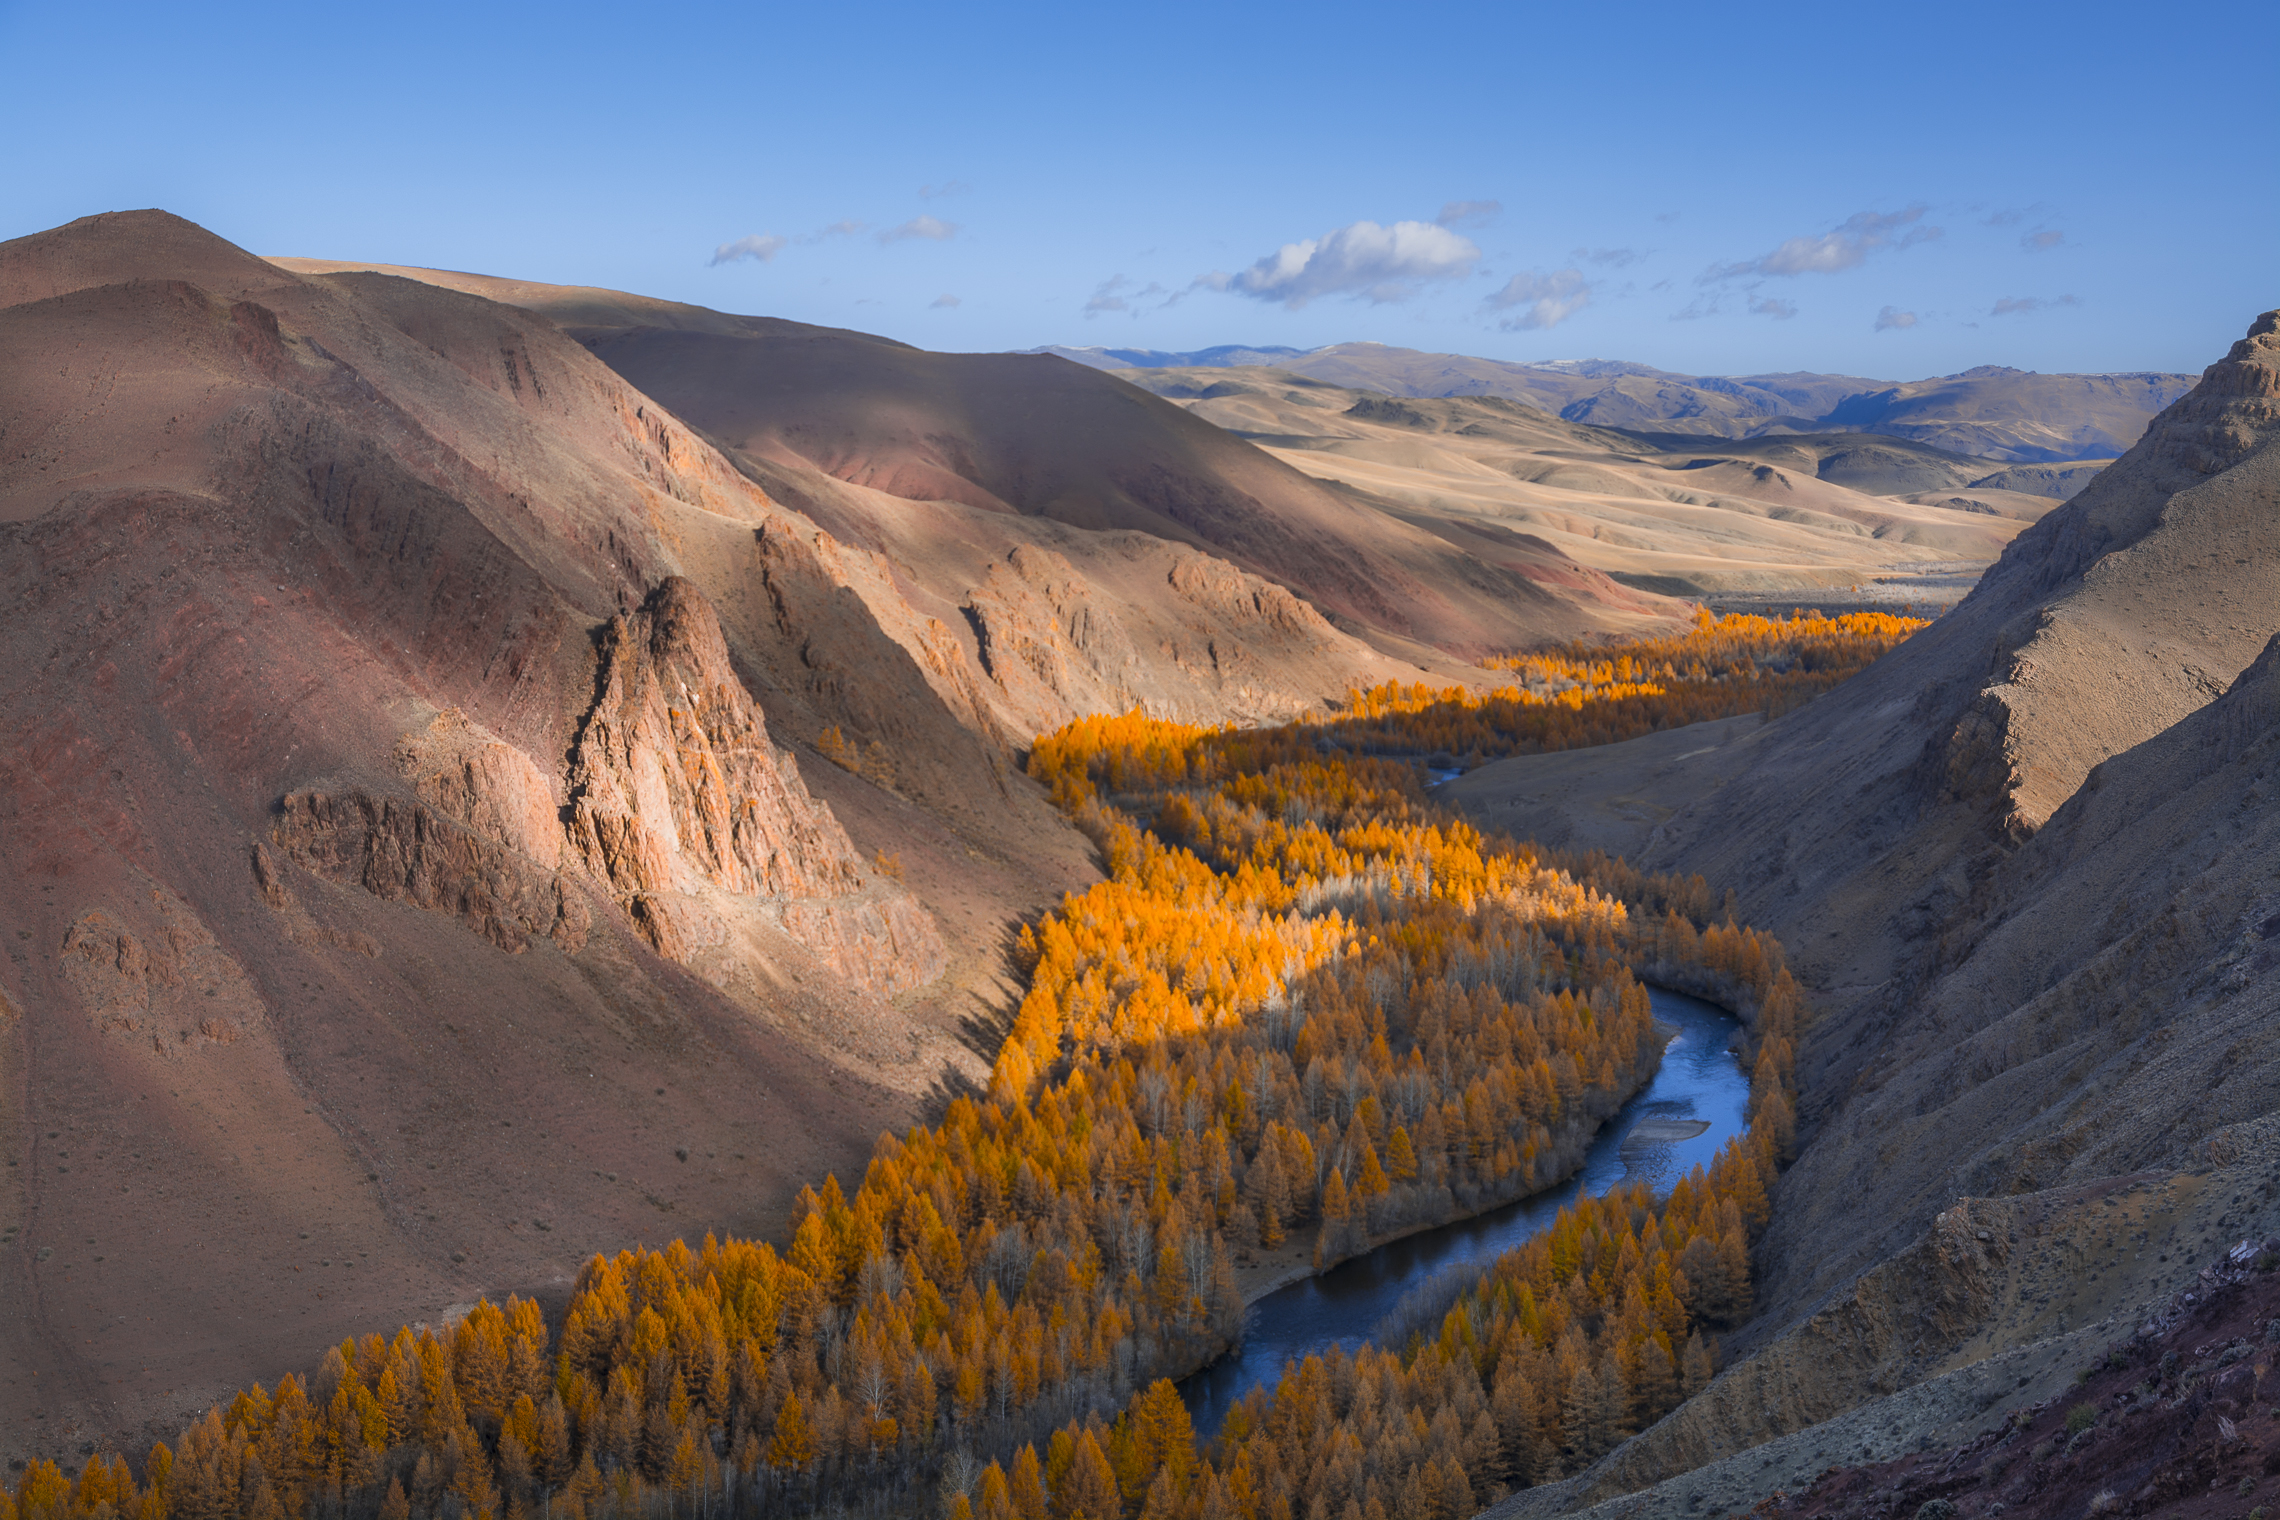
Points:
(1876, 191)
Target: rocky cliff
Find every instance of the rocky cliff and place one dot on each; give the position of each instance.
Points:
(679, 802)
(1226, 645)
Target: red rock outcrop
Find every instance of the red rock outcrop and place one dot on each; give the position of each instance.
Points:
(677, 794)
(1047, 642)
(673, 779)
(466, 772)
(1202, 641)
(171, 986)
(404, 852)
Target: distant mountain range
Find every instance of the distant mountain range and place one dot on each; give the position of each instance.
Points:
(1990, 411)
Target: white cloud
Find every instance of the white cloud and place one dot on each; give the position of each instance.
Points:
(1842, 248)
(1774, 307)
(1614, 258)
(764, 247)
(1364, 260)
(760, 247)
(1893, 319)
(1118, 293)
(947, 187)
(2042, 240)
(920, 226)
(2013, 305)
(1547, 299)
(1468, 213)
(944, 300)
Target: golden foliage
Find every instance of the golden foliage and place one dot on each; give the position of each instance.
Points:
(1304, 998)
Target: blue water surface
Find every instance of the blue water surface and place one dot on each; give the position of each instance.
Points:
(1700, 1079)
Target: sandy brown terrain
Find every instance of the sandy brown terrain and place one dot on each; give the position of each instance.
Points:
(946, 463)
(1671, 512)
(2004, 414)
(411, 890)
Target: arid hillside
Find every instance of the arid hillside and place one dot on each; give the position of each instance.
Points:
(1672, 512)
(494, 772)
(2027, 861)
(945, 463)
(2004, 414)
(411, 888)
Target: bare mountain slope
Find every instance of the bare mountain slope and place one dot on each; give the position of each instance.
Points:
(2104, 624)
(409, 892)
(1045, 445)
(1676, 512)
(2028, 861)
(1034, 436)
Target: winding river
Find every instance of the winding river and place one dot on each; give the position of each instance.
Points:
(1700, 1080)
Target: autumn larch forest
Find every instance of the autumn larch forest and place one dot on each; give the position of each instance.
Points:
(1306, 1004)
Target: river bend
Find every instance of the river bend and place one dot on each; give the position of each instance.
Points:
(1700, 1080)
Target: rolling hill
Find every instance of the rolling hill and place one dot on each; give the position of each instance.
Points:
(2008, 415)
(1671, 512)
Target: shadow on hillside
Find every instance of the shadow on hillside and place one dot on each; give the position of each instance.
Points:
(983, 1025)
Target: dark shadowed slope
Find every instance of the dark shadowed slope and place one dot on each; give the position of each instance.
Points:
(590, 308)
(1034, 437)
(2027, 861)
(2022, 855)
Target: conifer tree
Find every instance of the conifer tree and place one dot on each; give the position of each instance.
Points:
(992, 1498)
(1027, 1487)
(1088, 1492)
(793, 1446)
